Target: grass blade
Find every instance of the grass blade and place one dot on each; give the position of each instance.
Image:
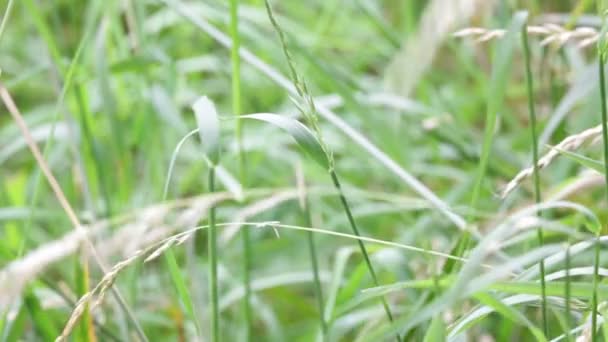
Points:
(65, 204)
(15, 328)
(209, 132)
(212, 256)
(7, 14)
(511, 313)
(208, 128)
(537, 195)
(85, 330)
(300, 133)
(584, 161)
(42, 320)
(305, 209)
(602, 48)
(436, 331)
(181, 287)
(236, 109)
(568, 295)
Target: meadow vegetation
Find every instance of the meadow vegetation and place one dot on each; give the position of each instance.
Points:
(320, 170)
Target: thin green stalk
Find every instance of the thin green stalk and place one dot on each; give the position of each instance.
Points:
(7, 14)
(93, 149)
(315, 266)
(596, 281)
(236, 78)
(317, 282)
(237, 109)
(568, 295)
(602, 48)
(602, 59)
(537, 195)
(212, 254)
(353, 225)
(171, 260)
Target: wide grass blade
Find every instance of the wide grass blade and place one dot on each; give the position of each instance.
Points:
(43, 324)
(208, 128)
(510, 313)
(436, 331)
(300, 133)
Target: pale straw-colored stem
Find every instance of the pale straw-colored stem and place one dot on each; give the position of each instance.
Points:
(571, 143)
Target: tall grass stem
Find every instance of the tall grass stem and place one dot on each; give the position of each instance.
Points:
(305, 207)
(212, 259)
(237, 109)
(568, 295)
(602, 77)
(7, 14)
(536, 176)
(353, 225)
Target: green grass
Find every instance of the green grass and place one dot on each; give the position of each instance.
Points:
(237, 109)
(314, 260)
(213, 261)
(368, 215)
(537, 191)
(601, 50)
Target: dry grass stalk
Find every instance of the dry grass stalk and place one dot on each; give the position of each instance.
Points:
(254, 209)
(65, 204)
(48, 174)
(587, 179)
(551, 34)
(15, 275)
(100, 291)
(571, 143)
